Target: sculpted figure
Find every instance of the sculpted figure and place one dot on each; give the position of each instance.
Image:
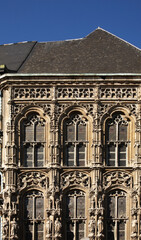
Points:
(14, 227)
(91, 227)
(134, 225)
(100, 226)
(58, 226)
(48, 227)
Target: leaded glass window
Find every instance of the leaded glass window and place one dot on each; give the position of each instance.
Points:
(33, 216)
(75, 140)
(116, 216)
(117, 140)
(75, 215)
(33, 141)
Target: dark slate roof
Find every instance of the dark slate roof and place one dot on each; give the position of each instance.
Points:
(13, 55)
(99, 52)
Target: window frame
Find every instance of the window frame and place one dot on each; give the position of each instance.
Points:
(117, 143)
(116, 193)
(34, 220)
(22, 143)
(76, 143)
(75, 220)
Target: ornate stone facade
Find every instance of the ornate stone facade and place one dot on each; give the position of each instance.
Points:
(65, 166)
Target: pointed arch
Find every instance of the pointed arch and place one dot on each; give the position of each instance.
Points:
(75, 138)
(118, 138)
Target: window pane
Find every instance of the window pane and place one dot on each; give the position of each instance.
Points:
(121, 207)
(80, 207)
(111, 207)
(122, 155)
(70, 133)
(81, 132)
(111, 155)
(39, 231)
(39, 208)
(80, 230)
(39, 156)
(28, 208)
(81, 155)
(28, 156)
(29, 133)
(70, 207)
(112, 132)
(121, 231)
(40, 133)
(70, 156)
(122, 132)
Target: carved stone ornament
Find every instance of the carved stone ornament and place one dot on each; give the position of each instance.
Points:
(21, 93)
(75, 93)
(58, 227)
(32, 178)
(91, 227)
(114, 93)
(14, 229)
(5, 229)
(74, 178)
(117, 178)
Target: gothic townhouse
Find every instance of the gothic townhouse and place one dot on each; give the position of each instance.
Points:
(70, 139)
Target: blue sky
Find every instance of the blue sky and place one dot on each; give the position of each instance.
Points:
(52, 20)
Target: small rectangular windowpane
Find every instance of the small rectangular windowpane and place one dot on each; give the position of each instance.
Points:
(111, 155)
(70, 133)
(122, 155)
(29, 133)
(112, 132)
(39, 231)
(70, 155)
(28, 156)
(121, 230)
(121, 207)
(70, 207)
(39, 208)
(81, 155)
(39, 156)
(40, 133)
(80, 230)
(81, 132)
(122, 132)
(80, 207)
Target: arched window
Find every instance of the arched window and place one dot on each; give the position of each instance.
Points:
(75, 140)
(117, 140)
(116, 215)
(33, 216)
(75, 215)
(33, 141)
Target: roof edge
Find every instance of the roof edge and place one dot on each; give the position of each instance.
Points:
(66, 74)
(99, 28)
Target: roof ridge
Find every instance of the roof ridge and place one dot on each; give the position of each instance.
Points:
(121, 39)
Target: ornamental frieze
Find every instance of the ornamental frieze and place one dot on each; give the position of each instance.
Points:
(117, 178)
(75, 178)
(115, 93)
(21, 93)
(28, 179)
